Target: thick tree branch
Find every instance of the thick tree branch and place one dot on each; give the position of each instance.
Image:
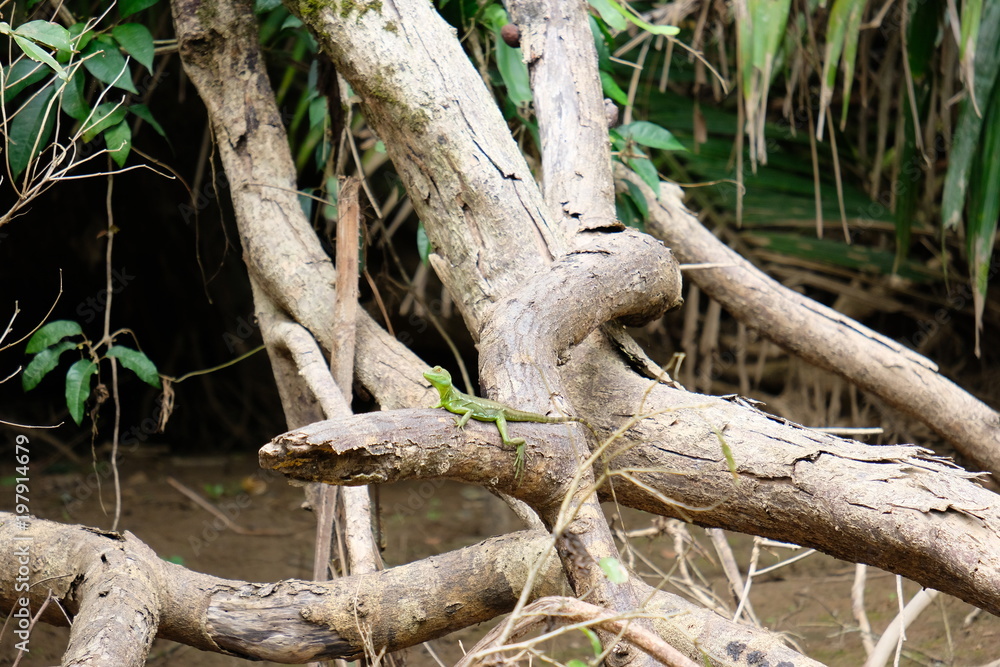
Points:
(296, 621)
(902, 378)
(468, 182)
(898, 508)
(528, 332)
(382, 447)
(576, 157)
(220, 51)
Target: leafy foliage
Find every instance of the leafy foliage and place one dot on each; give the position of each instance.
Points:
(48, 345)
(51, 77)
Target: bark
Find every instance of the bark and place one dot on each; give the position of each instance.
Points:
(473, 178)
(219, 47)
(296, 621)
(896, 374)
(899, 508)
(494, 237)
(576, 161)
(458, 146)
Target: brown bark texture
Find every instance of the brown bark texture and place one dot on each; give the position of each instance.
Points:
(292, 621)
(537, 277)
(896, 374)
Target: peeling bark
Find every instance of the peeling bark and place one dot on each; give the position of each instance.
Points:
(901, 377)
(899, 508)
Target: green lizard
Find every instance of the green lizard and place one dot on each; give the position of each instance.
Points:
(485, 410)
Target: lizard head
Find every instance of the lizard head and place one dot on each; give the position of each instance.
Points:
(439, 377)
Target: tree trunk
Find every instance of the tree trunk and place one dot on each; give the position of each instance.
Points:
(544, 284)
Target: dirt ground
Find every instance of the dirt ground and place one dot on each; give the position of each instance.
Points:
(808, 601)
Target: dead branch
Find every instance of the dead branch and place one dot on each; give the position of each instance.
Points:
(296, 621)
(568, 101)
(902, 378)
(899, 508)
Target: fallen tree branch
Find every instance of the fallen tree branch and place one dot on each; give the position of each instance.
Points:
(899, 508)
(297, 621)
(902, 378)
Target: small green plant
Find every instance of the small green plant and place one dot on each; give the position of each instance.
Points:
(52, 75)
(50, 342)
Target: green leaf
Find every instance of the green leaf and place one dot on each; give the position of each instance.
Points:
(264, 6)
(30, 130)
(595, 642)
(972, 16)
(137, 41)
(855, 258)
(925, 20)
(647, 172)
(317, 112)
(969, 126)
(42, 363)
(107, 64)
(19, 76)
(850, 56)
(984, 210)
(118, 139)
(137, 362)
(78, 387)
(576, 662)
(728, 453)
(37, 53)
(609, 13)
(612, 89)
(423, 243)
(513, 71)
(617, 140)
(667, 30)
(143, 112)
(129, 7)
(638, 199)
(73, 101)
(650, 134)
(104, 116)
(49, 34)
(81, 35)
(52, 333)
(613, 570)
(495, 16)
(627, 213)
(291, 22)
(600, 44)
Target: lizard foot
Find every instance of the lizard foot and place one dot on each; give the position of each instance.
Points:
(519, 462)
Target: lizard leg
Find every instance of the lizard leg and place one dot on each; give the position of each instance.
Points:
(464, 419)
(502, 427)
(518, 442)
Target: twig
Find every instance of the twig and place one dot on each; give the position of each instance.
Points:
(893, 635)
(580, 615)
(858, 608)
(210, 508)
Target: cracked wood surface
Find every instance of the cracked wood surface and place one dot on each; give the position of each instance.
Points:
(904, 379)
(481, 265)
(900, 508)
(295, 621)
